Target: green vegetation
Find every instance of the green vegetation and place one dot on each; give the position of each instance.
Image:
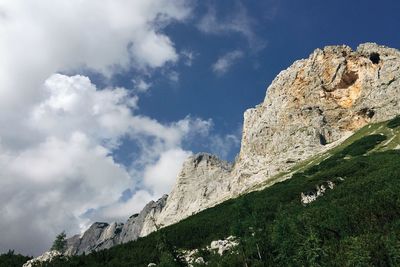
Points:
(355, 224)
(10, 259)
(394, 123)
(60, 244)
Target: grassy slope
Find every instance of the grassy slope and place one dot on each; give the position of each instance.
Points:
(355, 224)
(393, 142)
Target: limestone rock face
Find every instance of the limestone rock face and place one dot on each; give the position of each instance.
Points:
(99, 236)
(73, 245)
(46, 257)
(138, 225)
(203, 180)
(316, 101)
(103, 235)
(308, 108)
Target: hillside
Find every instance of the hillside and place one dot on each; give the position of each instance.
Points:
(355, 221)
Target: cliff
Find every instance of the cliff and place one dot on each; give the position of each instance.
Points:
(309, 107)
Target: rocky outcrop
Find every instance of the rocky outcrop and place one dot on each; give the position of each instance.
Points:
(309, 107)
(103, 235)
(46, 257)
(203, 177)
(99, 236)
(319, 191)
(220, 247)
(138, 224)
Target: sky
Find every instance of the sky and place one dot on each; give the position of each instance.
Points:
(102, 101)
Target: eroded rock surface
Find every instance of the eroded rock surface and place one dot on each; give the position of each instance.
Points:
(99, 236)
(202, 178)
(46, 257)
(103, 235)
(138, 226)
(315, 102)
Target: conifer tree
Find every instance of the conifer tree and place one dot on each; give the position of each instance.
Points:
(60, 244)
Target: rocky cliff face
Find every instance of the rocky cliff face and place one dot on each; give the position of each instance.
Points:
(137, 225)
(315, 102)
(310, 106)
(202, 178)
(98, 236)
(102, 235)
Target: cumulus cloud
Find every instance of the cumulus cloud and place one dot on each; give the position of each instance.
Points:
(163, 173)
(60, 133)
(119, 210)
(77, 103)
(226, 61)
(41, 37)
(68, 168)
(159, 178)
(49, 183)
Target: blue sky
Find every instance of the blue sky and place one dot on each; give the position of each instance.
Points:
(104, 100)
(289, 30)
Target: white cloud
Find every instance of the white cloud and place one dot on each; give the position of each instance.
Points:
(41, 37)
(60, 133)
(226, 61)
(238, 21)
(173, 76)
(119, 210)
(160, 177)
(67, 167)
(188, 57)
(141, 85)
(45, 189)
(76, 102)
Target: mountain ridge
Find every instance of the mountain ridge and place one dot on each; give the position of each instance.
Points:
(310, 107)
(352, 220)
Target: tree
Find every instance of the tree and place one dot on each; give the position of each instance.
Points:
(60, 244)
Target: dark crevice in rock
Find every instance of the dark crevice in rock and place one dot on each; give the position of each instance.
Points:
(348, 79)
(375, 58)
(198, 159)
(336, 73)
(134, 215)
(366, 112)
(322, 139)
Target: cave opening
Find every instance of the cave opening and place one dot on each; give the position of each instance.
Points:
(375, 58)
(322, 140)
